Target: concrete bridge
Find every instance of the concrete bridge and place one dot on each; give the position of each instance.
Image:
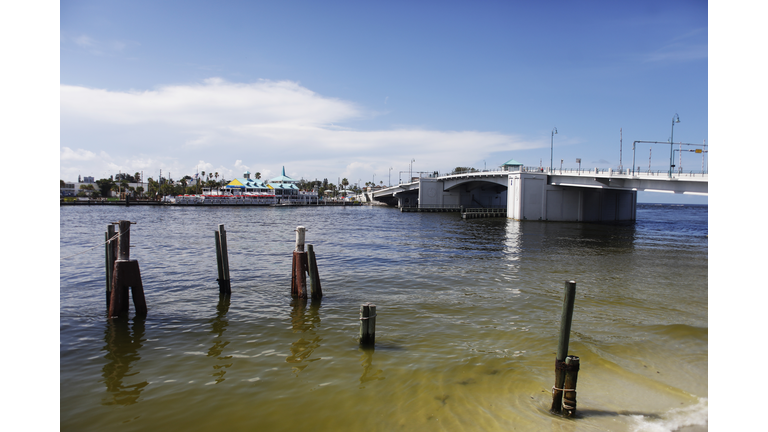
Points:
(536, 194)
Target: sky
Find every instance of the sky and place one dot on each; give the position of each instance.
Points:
(370, 91)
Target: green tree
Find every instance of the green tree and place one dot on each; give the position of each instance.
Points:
(152, 187)
(105, 186)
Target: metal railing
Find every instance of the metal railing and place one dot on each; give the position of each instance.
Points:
(453, 206)
(486, 210)
(614, 172)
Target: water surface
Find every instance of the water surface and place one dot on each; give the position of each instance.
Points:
(466, 334)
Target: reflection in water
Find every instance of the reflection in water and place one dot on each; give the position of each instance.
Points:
(122, 347)
(219, 325)
(370, 373)
(303, 321)
(513, 241)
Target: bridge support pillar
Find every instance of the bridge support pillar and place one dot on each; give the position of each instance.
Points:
(531, 197)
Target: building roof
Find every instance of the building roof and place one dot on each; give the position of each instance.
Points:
(283, 179)
(243, 183)
(512, 162)
(284, 186)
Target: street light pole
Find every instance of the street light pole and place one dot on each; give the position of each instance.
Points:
(411, 170)
(675, 119)
(552, 148)
(389, 177)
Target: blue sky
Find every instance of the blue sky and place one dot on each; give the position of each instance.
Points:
(352, 89)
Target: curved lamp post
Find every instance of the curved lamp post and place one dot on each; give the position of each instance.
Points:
(552, 148)
(411, 170)
(675, 119)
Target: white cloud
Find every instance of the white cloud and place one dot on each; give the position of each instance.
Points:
(213, 104)
(98, 47)
(263, 125)
(67, 154)
(84, 41)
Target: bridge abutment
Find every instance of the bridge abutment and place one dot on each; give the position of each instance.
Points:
(531, 197)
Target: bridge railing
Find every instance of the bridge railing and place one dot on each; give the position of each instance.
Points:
(572, 171)
(486, 210)
(453, 206)
(433, 206)
(616, 172)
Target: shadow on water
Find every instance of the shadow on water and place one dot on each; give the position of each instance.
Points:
(122, 344)
(370, 372)
(304, 320)
(219, 325)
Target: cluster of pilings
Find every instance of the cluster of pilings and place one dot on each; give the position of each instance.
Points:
(123, 273)
(304, 263)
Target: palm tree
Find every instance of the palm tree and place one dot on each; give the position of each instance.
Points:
(151, 187)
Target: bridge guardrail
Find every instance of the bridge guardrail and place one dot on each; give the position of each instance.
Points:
(611, 171)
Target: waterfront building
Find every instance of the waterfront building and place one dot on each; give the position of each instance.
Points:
(246, 184)
(284, 186)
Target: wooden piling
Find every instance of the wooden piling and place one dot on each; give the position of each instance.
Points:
(126, 274)
(124, 240)
(299, 275)
(562, 347)
(299, 267)
(367, 325)
(219, 265)
(109, 252)
(569, 386)
(316, 290)
(222, 261)
(300, 234)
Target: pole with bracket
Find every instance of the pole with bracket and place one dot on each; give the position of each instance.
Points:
(562, 347)
(299, 266)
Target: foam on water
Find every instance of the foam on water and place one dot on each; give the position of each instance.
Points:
(673, 420)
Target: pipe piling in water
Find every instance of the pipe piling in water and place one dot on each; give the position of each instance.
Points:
(562, 347)
(222, 261)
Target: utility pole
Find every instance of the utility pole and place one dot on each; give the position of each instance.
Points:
(621, 147)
